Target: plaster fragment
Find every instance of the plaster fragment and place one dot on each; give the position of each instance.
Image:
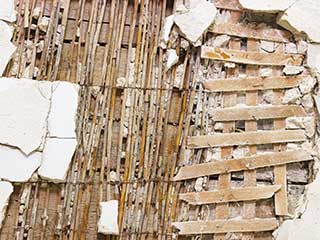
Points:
(199, 184)
(307, 102)
(302, 47)
(7, 12)
(313, 58)
(108, 222)
(24, 108)
(168, 23)
(291, 48)
(301, 17)
(268, 6)
(173, 58)
(292, 96)
(197, 20)
(306, 225)
(290, 70)
(16, 166)
(307, 123)
(36, 12)
(267, 46)
(6, 189)
(44, 23)
(7, 49)
(61, 121)
(265, 72)
(220, 41)
(56, 157)
(307, 84)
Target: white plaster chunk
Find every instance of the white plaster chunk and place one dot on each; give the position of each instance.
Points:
(44, 23)
(16, 166)
(291, 48)
(221, 41)
(197, 20)
(6, 189)
(307, 84)
(308, 225)
(265, 72)
(199, 184)
(307, 123)
(36, 12)
(108, 222)
(290, 70)
(7, 12)
(24, 109)
(7, 49)
(173, 58)
(313, 58)
(301, 17)
(56, 157)
(61, 121)
(168, 23)
(302, 47)
(269, 6)
(292, 96)
(307, 102)
(267, 46)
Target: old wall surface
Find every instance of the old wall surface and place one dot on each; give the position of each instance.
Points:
(201, 131)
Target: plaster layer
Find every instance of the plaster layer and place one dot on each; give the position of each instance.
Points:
(108, 222)
(24, 108)
(16, 166)
(197, 20)
(5, 191)
(6, 47)
(7, 12)
(56, 157)
(271, 6)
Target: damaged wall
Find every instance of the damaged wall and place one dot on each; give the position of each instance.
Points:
(184, 106)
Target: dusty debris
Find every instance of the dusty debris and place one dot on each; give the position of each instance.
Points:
(16, 166)
(173, 58)
(197, 20)
(168, 23)
(292, 96)
(7, 49)
(307, 84)
(301, 17)
(24, 110)
(269, 6)
(306, 224)
(108, 222)
(290, 70)
(56, 157)
(6, 189)
(7, 12)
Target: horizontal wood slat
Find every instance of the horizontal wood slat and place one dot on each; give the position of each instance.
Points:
(256, 113)
(230, 195)
(246, 163)
(224, 226)
(251, 83)
(246, 138)
(251, 30)
(254, 58)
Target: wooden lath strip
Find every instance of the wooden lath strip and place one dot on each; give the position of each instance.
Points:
(230, 195)
(255, 58)
(256, 113)
(246, 138)
(251, 83)
(251, 30)
(224, 226)
(235, 165)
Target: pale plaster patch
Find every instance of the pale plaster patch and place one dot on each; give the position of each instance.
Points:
(270, 6)
(308, 225)
(108, 222)
(16, 166)
(24, 108)
(301, 17)
(168, 23)
(56, 157)
(313, 58)
(6, 47)
(7, 12)
(194, 22)
(5, 191)
(62, 122)
(173, 58)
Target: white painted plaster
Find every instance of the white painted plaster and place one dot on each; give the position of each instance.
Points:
(197, 20)
(16, 166)
(24, 109)
(168, 23)
(7, 12)
(56, 157)
(6, 47)
(61, 122)
(108, 222)
(6, 189)
(172, 58)
(271, 6)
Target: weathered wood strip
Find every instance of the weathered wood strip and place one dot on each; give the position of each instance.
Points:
(246, 138)
(247, 163)
(224, 226)
(230, 195)
(251, 83)
(252, 30)
(256, 113)
(255, 58)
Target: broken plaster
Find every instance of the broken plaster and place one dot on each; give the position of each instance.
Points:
(269, 6)
(7, 12)
(7, 49)
(5, 191)
(108, 222)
